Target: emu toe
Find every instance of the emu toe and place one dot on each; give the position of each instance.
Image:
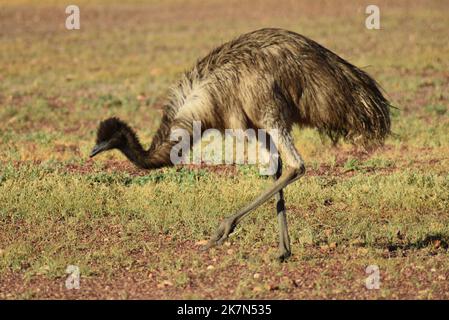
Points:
(224, 230)
(283, 255)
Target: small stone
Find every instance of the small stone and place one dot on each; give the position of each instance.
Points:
(256, 276)
(210, 267)
(257, 289)
(272, 288)
(165, 283)
(437, 244)
(362, 251)
(201, 242)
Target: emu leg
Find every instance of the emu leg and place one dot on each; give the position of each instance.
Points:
(294, 170)
(227, 225)
(284, 239)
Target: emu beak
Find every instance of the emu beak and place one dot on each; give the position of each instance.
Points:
(102, 146)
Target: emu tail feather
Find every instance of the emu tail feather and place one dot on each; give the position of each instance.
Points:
(364, 111)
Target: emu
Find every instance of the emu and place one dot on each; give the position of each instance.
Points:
(266, 79)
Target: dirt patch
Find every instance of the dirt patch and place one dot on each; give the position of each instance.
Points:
(67, 148)
(325, 274)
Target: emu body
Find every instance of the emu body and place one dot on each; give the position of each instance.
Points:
(266, 79)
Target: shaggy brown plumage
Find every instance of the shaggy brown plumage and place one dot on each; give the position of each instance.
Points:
(275, 74)
(266, 79)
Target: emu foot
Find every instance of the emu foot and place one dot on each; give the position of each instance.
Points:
(224, 230)
(283, 255)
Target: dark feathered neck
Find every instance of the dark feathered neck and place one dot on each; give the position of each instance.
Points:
(158, 155)
(133, 149)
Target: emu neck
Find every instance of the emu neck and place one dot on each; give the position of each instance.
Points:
(157, 156)
(134, 151)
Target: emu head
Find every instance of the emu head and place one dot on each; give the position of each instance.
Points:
(112, 133)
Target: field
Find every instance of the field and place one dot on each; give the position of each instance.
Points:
(137, 234)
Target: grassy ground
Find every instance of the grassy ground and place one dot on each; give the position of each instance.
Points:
(136, 234)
